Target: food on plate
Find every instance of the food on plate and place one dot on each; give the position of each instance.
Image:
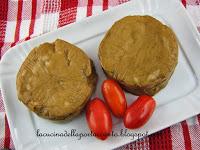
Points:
(56, 80)
(140, 53)
(114, 97)
(99, 118)
(139, 112)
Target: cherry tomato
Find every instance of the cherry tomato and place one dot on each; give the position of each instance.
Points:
(114, 97)
(99, 118)
(139, 112)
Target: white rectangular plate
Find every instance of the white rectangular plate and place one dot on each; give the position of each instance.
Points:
(178, 101)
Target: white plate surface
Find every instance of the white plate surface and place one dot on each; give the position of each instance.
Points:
(178, 101)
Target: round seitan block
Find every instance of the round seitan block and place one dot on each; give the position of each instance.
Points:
(140, 53)
(56, 80)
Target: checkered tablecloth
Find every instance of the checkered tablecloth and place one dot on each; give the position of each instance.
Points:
(21, 20)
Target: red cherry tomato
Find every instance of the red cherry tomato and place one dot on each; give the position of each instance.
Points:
(99, 118)
(139, 112)
(114, 97)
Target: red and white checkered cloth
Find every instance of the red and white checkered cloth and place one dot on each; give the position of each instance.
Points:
(24, 19)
